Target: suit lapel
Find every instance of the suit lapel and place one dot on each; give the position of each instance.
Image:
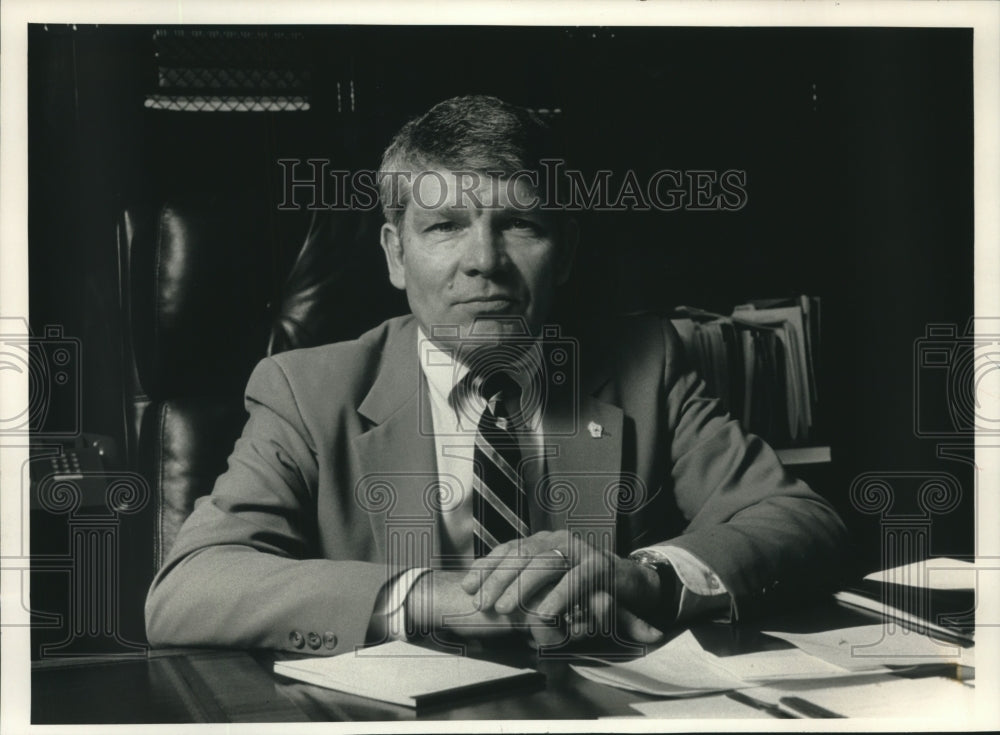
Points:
(398, 481)
(585, 462)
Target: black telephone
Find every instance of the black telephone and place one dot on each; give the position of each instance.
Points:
(83, 463)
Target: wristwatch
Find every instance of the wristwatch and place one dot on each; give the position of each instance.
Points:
(664, 611)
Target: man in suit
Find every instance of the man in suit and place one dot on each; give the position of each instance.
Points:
(469, 469)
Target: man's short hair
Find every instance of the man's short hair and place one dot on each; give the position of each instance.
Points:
(473, 133)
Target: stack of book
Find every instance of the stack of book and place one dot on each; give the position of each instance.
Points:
(760, 362)
(935, 596)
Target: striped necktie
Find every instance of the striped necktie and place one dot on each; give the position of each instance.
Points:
(500, 506)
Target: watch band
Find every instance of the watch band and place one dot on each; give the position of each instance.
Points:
(664, 610)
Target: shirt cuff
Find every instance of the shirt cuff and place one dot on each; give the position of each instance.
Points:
(702, 591)
(394, 608)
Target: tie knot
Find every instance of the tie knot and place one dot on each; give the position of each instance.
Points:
(498, 390)
(497, 385)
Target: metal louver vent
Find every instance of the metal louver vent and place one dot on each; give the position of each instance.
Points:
(209, 70)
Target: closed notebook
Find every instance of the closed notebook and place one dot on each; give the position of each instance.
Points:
(402, 673)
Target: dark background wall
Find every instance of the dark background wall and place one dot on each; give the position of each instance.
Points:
(857, 146)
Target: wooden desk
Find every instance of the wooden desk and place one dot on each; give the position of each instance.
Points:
(235, 686)
(190, 685)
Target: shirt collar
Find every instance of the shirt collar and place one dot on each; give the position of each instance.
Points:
(444, 371)
(440, 367)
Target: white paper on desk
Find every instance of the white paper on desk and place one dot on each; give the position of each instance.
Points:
(678, 669)
(789, 663)
(889, 696)
(710, 707)
(940, 573)
(867, 647)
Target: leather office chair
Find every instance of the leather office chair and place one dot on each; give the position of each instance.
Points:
(208, 292)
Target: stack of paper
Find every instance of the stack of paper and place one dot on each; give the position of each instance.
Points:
(868, 647)
(889, 696)
(831, 679)
(789, 663)
(405, 674)
(711, 707)
(937, 573)
(679, 668)
(937, 596)
(881, 696)
(683, 668)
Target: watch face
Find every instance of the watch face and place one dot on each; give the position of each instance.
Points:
(647, 557)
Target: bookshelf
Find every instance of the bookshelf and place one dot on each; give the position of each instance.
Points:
(760, 362)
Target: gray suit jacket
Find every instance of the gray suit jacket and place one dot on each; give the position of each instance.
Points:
(330, 490)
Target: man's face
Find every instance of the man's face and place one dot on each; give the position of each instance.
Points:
(468, 248)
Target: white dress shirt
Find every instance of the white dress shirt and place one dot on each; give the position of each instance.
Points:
(454, 438)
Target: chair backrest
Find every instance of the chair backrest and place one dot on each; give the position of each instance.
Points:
(208, 294)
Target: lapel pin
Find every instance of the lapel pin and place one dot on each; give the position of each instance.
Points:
(595, 429)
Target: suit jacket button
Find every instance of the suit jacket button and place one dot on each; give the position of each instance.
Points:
(329, 640)
(296, 639)
(314, 640)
